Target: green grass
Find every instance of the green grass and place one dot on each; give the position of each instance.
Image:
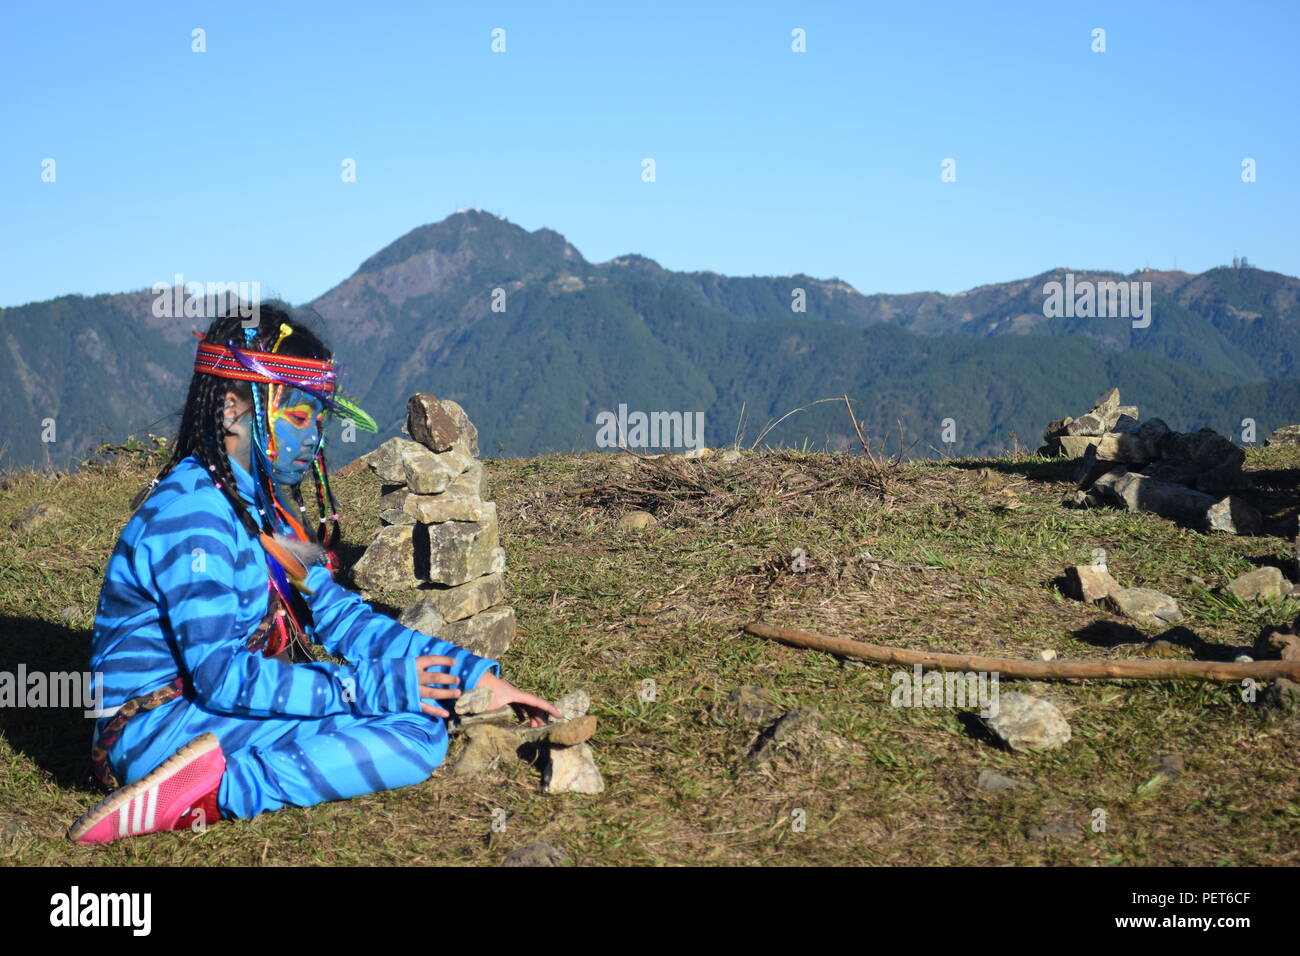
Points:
(606, 610)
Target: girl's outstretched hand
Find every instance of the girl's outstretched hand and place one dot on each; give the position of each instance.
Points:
(526, 706)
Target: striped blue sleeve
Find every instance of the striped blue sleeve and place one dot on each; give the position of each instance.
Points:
(351, 628)
(190, 557)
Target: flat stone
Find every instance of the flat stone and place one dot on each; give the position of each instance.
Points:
(1144, 605)
(395, 516)
(389, 561)
(487, 634)
(729, 456)
(1130, 448)
(1026, 723)
(428, 423)
(572, 770)
(1088, 582)
(464, 600)
(423, 616)
(462, 500)
(1260, 584)
(536, 854)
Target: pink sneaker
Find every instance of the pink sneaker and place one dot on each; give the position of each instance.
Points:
(179, 795)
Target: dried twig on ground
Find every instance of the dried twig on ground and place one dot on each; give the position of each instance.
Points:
(1035, 670)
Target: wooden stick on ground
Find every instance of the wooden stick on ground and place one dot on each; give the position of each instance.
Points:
(1037, 670)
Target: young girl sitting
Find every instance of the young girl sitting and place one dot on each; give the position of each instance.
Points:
(215, 579)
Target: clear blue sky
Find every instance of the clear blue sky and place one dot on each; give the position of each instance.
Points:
(225, 165)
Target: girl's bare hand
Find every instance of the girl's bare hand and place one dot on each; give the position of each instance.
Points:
(526, 706)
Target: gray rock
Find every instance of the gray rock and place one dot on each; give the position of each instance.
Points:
(991, 782)
(1108, 401)
(1226, 477)
(462, 500)
(424, 616)
(1233, 516)
(537, 854)
(1128, 447)
(1140, 493)
(457, 552)
(461, 601)
(468, 433)
(429, 424)
(574, 704)
(487, 634)
(1074, 446)
(1026, 723)
(486, 745)
(389, 561)
(476, 701)
(1057, 428)
(1088, 582)
(1206, 448)
(1154, 429)
(1091, 425)
(1144, 606)
(572, 770)
(1260, 584)
(426, 473)
(395, 516)
(729, 456)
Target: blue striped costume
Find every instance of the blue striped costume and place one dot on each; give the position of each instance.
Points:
(184, 589)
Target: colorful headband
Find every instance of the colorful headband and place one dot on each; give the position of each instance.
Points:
(311, 375)
(229, 361)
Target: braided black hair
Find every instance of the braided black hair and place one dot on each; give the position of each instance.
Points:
(202, 432)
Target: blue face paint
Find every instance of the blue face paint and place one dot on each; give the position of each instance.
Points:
(297, 424)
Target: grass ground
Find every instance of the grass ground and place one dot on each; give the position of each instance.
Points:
(970, 551)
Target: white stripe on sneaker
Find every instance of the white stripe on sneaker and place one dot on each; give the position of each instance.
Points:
(152, 808)
(121, 820)
(137, 815)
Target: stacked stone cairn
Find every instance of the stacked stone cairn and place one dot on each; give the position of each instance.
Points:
(439, 534)
(1146, 466)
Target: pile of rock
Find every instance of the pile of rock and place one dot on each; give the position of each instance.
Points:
(439, 534)
(1146, 466)
(566, 759)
